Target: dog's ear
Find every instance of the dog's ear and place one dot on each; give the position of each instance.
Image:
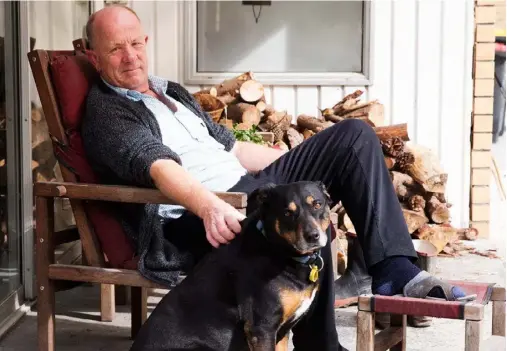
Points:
(322, 187)
(258, 197)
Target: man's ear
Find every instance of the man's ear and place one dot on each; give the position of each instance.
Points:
(322, 187)
(92, 57)
(258, 197)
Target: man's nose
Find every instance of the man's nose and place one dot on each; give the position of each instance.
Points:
(129, 54)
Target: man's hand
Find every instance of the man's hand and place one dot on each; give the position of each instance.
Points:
(221, 221)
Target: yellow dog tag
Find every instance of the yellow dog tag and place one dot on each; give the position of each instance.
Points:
(314, 273)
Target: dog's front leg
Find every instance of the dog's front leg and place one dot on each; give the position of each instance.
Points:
(260, 338)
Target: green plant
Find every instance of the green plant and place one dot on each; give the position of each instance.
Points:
(247, 135)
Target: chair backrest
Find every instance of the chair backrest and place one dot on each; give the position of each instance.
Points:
(63, 80)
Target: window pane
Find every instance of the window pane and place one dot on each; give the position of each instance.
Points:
(290, 36)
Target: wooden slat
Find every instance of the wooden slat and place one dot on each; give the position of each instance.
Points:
(120, 193)
(387, 338)
(100, 275)
(472, 335)
(39, 62)
(65, 236)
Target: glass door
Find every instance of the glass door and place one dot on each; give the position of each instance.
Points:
(11, 293)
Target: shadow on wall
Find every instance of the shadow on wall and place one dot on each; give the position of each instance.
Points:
(290, 36)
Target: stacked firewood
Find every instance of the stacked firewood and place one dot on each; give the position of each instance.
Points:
(418, 178)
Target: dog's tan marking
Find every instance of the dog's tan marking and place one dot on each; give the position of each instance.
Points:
(290, 237)
(296, 302)
(283, 345)
(292, 206)
(277, 227)
(309, 200)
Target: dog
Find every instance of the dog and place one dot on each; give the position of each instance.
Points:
(248, 294)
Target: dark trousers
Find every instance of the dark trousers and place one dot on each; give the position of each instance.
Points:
(348, 159)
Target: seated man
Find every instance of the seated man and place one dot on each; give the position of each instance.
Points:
(142, 130)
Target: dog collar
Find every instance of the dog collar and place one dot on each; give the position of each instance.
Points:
(314, 261)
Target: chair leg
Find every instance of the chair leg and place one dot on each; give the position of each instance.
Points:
(107, 304)
(365, 331)
(398, 320)
(139, 303)
(498, 318)
(46, 289)
(472, 335)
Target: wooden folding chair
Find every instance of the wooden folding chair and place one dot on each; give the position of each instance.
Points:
(63, 79)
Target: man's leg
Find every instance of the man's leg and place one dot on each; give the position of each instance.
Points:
(348, 159)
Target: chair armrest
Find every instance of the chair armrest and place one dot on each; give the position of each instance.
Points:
(119, 193)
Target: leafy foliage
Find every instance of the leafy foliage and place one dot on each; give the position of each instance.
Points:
(247, 135)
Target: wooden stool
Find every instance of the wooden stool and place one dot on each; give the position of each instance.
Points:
(394, 337)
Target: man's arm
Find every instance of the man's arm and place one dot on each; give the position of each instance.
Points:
(221, 220)
(255, 157)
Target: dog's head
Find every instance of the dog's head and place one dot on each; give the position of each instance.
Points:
(297, 213)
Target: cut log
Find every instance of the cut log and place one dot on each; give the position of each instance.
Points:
(312, 123)
(438, 235)
(417, 203)
(468, 234)
(261, 106)
(227, 99)
(244, 113)
(393, 147)
(294, 137)
(350, 97)
(344, 109)
(390, 162)
(414, 219)
(404, 186)
(374, 113)
(251, 91)
(392, 131)
(347, 223)
(437, 211)
(209, 103)
(404, 160)
(232, 86)
(277, 122)
(281, 145)
(308, 134)
(426, 169)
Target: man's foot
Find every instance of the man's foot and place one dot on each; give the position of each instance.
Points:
(397, 275)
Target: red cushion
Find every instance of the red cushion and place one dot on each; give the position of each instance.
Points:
(72, 78)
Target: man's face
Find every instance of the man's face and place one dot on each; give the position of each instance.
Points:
(119, 52)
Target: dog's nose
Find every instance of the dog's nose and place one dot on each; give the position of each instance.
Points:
(313, 235)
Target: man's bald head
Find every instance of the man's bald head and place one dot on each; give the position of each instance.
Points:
(118, 47)
(104, 15)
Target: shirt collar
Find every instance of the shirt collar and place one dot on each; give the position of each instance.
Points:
(157, 84)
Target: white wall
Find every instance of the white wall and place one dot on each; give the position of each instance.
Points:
(422, 74)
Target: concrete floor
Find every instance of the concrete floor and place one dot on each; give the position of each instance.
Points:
(78, 326)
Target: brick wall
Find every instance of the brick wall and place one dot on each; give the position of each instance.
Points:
(482, 113)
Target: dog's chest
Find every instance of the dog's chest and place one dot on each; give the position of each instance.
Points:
(295, 303)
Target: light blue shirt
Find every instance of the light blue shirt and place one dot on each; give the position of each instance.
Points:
(187, 135)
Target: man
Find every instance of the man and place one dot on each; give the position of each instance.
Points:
(144, 131)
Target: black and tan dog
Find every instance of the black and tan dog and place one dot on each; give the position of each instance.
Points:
(247, 295)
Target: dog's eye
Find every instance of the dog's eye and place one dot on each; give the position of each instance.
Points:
(317, 205)
(288, 213)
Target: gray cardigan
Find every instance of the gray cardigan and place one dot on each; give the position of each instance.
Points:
(121, 140)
